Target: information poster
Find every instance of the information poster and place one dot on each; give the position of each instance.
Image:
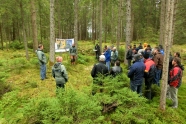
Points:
(63, 45)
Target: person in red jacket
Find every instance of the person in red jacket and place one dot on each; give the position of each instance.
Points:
(174, 81)
(148, 74)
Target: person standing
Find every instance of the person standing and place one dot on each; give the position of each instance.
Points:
(42, 61)
(136, 74)
(99, 68)
(174, 81)
(129, 55)
(149, 74)
(97, 48)
(158, 60)
(114, 56)
(73, 53)
(59, 73)
(107, 54)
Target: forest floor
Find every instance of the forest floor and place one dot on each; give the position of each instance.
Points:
(28, 79)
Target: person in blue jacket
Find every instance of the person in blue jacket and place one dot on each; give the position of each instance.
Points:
(107, 54)
(136, 73)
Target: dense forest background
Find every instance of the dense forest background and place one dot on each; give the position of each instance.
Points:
(24, 98)
(33, 18)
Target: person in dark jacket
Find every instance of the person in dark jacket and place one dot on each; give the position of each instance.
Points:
(42, 61)
(129, 55)
(149, 74)
(73, 54)
(136, 74)
(99, 69)
(116, 69)
(59, 73)
(97, 51)
(174, 81)
(158, 60)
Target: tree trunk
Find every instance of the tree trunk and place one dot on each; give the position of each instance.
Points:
(1, 33)
(34, 25)
(119, 24)
(174, 20)
(52, 33)
(100, 26)
(76, 23)
(128, 27)
(24, 30)
(167, 38)
(162, 21)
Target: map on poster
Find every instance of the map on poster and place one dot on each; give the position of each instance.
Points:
(63, 45)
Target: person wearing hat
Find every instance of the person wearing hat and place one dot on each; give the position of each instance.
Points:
(114, 56)
(136, 74)
(149, 74)
(99, 68)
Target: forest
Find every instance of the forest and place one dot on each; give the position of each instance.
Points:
(24, 24)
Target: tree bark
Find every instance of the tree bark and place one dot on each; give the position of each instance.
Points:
(52, 33)
(1, 33)
(34, 25)
(128, 27)
(76, 23)
(100, 26)
(24, 30)
(119, 24)
(167, 38)
(162, 21)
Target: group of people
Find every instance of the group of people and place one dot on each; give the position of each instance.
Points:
(58, 70)
(143, 63)
(148, 65)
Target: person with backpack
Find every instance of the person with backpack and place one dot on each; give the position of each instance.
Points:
(73, 53)
(42, 61)
(149, 74)
(174, 81)
(59, 73)
(114, 56)
(117, 69)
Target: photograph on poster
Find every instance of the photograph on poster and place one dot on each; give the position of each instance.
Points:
(63, 45)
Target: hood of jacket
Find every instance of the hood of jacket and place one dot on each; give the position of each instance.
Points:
(57, 65)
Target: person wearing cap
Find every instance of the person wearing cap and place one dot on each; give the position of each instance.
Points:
(149, 74)
(99, 68)
(73, 53)
(136, 74)
(158, 60)
(59, 73)
(114, 56)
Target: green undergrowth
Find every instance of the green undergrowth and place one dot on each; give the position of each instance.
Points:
(25, 99)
